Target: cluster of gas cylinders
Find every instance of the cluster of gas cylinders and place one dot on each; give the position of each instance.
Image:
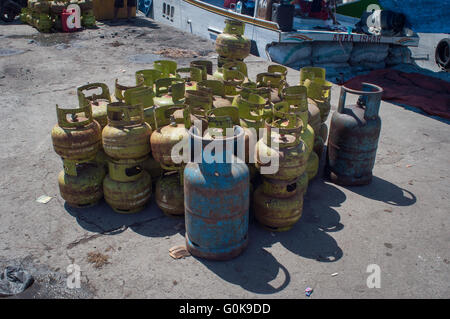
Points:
(121, 146)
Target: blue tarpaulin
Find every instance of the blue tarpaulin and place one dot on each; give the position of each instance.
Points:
(428, 16)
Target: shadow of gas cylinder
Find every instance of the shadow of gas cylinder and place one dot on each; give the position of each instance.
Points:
(384, 191)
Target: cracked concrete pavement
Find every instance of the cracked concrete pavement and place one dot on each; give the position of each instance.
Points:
(399, 222)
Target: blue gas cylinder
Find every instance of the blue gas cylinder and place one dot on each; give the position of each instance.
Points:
(216, 188)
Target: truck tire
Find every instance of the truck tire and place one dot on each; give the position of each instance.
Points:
(442, 54)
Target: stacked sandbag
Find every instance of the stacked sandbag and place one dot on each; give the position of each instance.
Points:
(398, 54)
(369, 56)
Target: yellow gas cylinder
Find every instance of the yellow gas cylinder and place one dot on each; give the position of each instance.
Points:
(319, 93)
(277, 214)
(206, 67)
(119, 91)
(98, 102)
(153, 168)
(191, 76)
(296, 97)
(233, 65)
(312, 165)
(150, 76)
(273, 81)
(84, 189)
(143, 96)
(302, 182)
(169, 193)
(231, 43)
(217, 90)
(232, 81)
(168, 133)
(128, 197)
(169, 91)
(167, 68)
(251, 88)
(78, 137)
(288, 147)
(311, 72)
(126, 136)
(126, 170)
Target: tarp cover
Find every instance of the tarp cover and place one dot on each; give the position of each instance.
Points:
(430, 94)
(428, 16)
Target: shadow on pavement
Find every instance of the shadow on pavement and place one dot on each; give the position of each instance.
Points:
(140, 22)
(384, 191)
(103, 219)
(258, 271)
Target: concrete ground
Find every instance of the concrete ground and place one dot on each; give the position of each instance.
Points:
(399, 222)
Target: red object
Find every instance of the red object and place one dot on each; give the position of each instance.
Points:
(305, 6)
(64, 16)
(227, 3)
(430, 94)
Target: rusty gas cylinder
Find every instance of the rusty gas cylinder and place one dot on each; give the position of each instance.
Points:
(119, 92)
(78, 137)
(126, 136)
(217, 90)
(232, 81)
(353, 138)
(199, 102)
(128, 197)
(296, 103)
(126, 170)
(272, 81)
(234, 65)
(286, 145)
(312, 166)
(191, 77)
(251, 88)
(231, 43)
(279, 188)
(167, 68)
(302, 182)
(311, 72)
(169, 91)
(84, 189)
(251, 110)
(277, 214)
(101, 159)
(205, 65)
(153, 168)
(98, 102)
(315, 122)
(143, 95)
(169, 193)
(150, 76)
(169, 132)
(216, 192)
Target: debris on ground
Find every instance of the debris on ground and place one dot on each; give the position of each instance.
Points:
(44, 199)
(334, 274)
(308, 291)
(116, 44)
(176, 53)
(98, 259)
(178, 252)
(14, 280)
